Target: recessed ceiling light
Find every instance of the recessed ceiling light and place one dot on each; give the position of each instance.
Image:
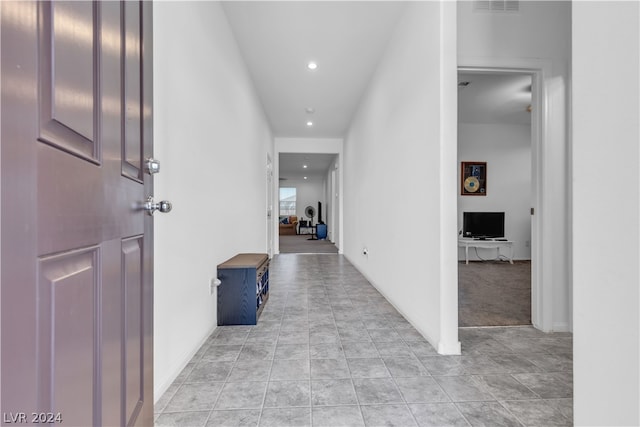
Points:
(305, 177)
(310, 110)
(312, 65)
(304, 166)
(309, 123)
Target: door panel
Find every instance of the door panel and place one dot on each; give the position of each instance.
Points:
(67, 298)
(67, 77)
(77, 296)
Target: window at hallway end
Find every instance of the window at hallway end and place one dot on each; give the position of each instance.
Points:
(287, 201)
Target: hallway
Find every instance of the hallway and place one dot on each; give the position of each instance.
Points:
(329, 350)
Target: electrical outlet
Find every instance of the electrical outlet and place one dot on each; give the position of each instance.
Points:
(365, 251)
(527, 243)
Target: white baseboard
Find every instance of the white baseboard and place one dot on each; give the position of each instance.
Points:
(450, 349)
(555, 327)
(475, 258)
(561, 327)
(163, 386)
(430, 341)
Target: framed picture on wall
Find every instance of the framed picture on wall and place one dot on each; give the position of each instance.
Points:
(473, 180)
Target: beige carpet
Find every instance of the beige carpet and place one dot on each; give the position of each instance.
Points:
(494, 293)
(301, 245)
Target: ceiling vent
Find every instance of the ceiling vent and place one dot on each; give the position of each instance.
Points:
(497, 6)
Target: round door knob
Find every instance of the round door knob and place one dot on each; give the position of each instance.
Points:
(163, 206)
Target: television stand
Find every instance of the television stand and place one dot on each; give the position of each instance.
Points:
(467, 242)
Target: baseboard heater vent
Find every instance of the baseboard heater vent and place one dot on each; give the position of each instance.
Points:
(511, 6)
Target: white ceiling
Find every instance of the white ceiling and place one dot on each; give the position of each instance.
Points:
(278, 39)
(347, 39)
(494, 98)
(292, 166)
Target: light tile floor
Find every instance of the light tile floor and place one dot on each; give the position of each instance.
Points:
(329, 350)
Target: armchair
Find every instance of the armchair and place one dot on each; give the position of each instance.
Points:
(289, 225)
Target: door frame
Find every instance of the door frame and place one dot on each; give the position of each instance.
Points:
(269, 207)
(310, 146)
(333, 197)
(541, 285)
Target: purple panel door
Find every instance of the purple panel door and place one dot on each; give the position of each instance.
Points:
(77, 260)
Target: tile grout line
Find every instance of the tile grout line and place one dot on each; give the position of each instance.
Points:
(398, 387)
(213, 407)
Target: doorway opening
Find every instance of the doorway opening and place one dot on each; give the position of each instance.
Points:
(498, 190)
(306, 211)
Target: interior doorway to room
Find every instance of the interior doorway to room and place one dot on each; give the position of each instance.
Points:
(496, 169)
(305, 205)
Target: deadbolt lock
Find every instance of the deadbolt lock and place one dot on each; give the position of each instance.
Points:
(151, 166)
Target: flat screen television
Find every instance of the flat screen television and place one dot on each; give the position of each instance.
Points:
(483, 224)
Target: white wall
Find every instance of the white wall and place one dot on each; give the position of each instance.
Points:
(606, 202)
(536, 37)
(395, 185)
(507, 151)
(308, 193)
(212, 139)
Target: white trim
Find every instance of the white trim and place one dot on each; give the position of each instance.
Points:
(448, 339)
(332, 197)
(269, 207)
(541, 282)
(561, 327)
(450, 349)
